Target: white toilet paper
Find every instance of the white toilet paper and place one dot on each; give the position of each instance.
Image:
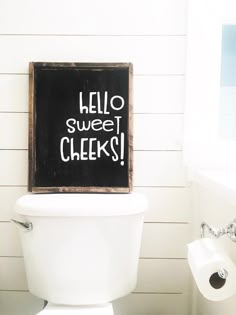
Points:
(206, 259)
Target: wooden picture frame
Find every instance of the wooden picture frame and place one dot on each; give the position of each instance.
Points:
(56, 92)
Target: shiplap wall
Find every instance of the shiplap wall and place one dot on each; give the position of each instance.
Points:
(152, 35)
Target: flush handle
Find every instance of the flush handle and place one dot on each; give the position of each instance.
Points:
(27, 226)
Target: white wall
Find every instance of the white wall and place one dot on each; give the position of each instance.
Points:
(151, 35)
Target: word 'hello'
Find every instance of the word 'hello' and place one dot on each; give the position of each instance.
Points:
(100, 108)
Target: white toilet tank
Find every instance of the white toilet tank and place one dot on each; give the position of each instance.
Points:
(83, 248)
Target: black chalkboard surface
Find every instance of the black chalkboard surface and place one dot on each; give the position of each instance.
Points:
(80, 127)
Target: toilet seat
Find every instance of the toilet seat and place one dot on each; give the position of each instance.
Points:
(52, 309)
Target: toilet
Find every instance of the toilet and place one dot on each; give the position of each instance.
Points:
(81, 251)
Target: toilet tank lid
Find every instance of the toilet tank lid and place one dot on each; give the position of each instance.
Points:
(81, 204)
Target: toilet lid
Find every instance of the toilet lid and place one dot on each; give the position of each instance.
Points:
(81, 204)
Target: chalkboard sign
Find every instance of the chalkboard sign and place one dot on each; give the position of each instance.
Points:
(80, 127)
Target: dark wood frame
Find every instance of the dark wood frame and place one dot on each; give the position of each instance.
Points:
(32, 140)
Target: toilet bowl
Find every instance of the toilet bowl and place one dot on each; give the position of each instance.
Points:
(80, 250)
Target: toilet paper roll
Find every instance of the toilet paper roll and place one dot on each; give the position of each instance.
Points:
(206, 260)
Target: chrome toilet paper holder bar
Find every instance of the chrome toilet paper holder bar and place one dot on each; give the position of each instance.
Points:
(229, 230)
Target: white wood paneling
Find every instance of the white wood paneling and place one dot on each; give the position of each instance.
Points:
(9, 240)
(8, 196)
(24, 303)
(104, 31)
(14, 93)
(93, 17)
(152, 304)
(174, 236)
(19, 303)
(158, 169)
(12, 274)
(166, 204)
(154, 275)
(163, 55)
(159, 94)
(13, 131)
(13, 167)
(158, 132)
(162, 275)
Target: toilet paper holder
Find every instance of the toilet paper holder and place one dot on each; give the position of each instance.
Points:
(229, 230)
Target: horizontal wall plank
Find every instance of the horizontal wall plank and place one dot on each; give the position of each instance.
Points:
(162, 275)
(112, 17)
(163, 203)
(166, 204)
(19, 303)
(158, 169)
(152, 94)
(12, 274)
(24, 303)
(159, 94)
(158, 132)
(14, 93)
(8, 197)
(13, 167)
(174, 236)
(152, 304)
(163, 55)
(154, 275)
(13, 131)
(150, 168)
(9, 240)
(151, 132)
